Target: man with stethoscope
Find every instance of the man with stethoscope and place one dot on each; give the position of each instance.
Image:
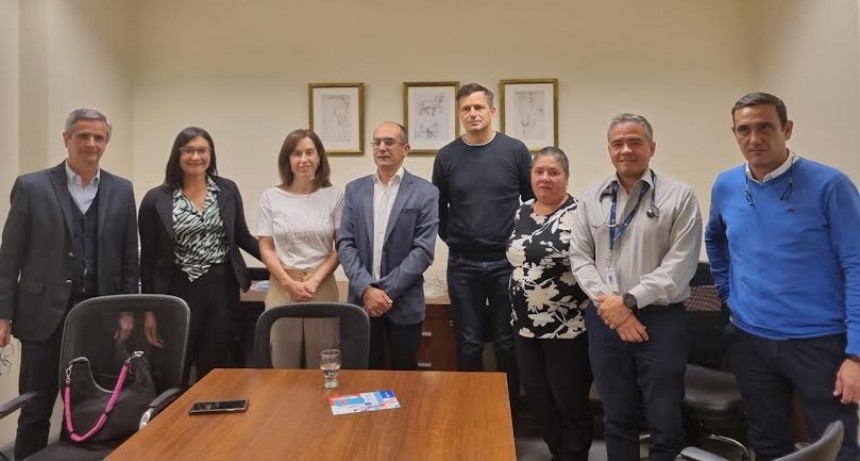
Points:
(634, 248)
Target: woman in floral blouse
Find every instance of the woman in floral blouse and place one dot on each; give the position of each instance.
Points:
(551, 346)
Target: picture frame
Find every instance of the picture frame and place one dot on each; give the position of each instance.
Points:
(336, 114)
(430, 115)
(529, 111)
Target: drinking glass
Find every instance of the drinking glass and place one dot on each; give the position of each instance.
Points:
(330, 365)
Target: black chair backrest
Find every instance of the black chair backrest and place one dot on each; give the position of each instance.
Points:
(91, 326)
(825, 448)
(707, 316)
(354, 331)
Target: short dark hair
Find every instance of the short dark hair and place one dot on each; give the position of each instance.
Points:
(760, 98)
(173, 171)
(321, 177)
(554, 153)
(470, 88)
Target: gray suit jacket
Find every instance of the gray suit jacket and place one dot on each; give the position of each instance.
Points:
(410, 243)
(36, 255)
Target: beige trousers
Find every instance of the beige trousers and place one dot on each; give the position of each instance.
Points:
(288, 334)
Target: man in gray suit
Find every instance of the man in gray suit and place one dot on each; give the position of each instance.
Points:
(71, 234)
(386, 241)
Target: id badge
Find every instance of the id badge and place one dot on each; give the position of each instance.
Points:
(611, 276)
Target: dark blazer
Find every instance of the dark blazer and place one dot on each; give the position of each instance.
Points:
(37, 253)
(157, 242)
(408, 248)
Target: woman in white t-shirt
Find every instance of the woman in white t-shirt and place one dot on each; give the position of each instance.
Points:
(297, 225)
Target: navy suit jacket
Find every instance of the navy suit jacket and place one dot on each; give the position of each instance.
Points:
(158, 243)
(37, 254)
(408, 248)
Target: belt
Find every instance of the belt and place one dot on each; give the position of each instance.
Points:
(299, 275)
(662, 307)
(478, 255)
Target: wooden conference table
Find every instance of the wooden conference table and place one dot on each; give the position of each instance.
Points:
(443, 416)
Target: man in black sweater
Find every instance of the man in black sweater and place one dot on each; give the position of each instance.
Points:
(481, 178)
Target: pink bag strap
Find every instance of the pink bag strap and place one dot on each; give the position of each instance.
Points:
(67, 399)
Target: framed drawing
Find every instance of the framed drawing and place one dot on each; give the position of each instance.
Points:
(530, 111)
(336, 113)
(430, 114)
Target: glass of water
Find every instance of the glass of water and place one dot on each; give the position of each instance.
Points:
(330, 365)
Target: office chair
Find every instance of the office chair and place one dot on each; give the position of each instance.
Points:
(89, 332)
(354, 331)
(712, 394)
(825, 448)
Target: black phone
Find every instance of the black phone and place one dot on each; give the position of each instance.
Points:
(220, 406)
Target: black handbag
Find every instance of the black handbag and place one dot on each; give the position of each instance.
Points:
(107, 414)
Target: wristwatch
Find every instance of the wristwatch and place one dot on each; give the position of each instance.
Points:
(630, 302)
(854, 358)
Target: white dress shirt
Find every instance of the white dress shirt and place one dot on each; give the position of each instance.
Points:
(383, 201)
(83, 196)
(775, 173)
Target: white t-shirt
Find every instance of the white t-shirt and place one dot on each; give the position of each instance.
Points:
(302, 226)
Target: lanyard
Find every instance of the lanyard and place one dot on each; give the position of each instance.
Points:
(615, 232)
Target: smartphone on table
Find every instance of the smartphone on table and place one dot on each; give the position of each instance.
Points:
(219, 406)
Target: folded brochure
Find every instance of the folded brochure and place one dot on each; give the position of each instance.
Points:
(366, 401)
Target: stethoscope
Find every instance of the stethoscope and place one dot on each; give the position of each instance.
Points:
(653, 212)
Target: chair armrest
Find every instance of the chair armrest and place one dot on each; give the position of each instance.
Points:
(697, 454)
(16, 403)
(159, 403)
(164, 399)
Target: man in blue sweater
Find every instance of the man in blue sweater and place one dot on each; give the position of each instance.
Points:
(782, 242)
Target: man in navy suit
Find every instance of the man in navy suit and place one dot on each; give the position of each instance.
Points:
(386, 241)
(71, 234)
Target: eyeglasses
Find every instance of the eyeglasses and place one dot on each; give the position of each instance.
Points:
(189, 150)
(389, 142)
(5, 358)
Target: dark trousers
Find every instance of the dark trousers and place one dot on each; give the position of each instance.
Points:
(399, 342)
(649, 376)
(556, 378)
(40, 361)
(771, 373)
(479, 289)
(214, 302)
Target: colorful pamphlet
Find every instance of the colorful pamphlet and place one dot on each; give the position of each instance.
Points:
(366, 401)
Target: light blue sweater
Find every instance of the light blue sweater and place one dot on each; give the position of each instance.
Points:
(788, 267)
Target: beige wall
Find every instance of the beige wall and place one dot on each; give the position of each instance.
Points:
(9, 56)
(809, 56)
(243, 75)
(74, 54)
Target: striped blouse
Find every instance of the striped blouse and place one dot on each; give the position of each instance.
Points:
(201, 241)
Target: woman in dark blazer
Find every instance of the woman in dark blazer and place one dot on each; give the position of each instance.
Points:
(191, 229)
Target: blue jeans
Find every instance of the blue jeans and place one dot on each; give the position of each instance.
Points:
(478, 290)
(771, 373)
(632, 377)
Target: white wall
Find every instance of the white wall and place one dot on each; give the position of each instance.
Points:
(9, 56)
(74, 54)
(810, 57)
(242, 73)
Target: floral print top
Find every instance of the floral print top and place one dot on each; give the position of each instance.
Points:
(543, 292)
